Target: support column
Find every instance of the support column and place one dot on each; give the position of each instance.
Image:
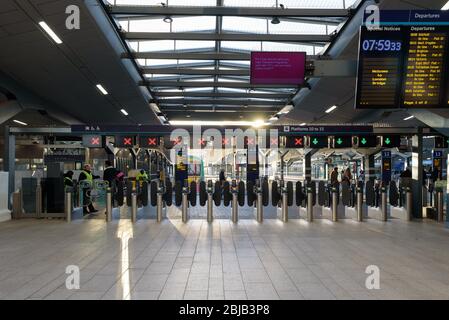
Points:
(9, 162)
(417, 174)
(307, 166)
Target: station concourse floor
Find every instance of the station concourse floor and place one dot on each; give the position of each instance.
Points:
(197, 260)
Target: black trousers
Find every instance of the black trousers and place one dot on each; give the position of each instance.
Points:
(87, 203)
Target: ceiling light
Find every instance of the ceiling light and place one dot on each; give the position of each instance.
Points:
(331, 109)
(124, 112)
(188, 116)
(102, 90)
(409, 118)
(275, 20)
(274, 118)
(50, 32)
(303, 124)
(258, 123)
(168, 19)
(20, 122)
(446, 6)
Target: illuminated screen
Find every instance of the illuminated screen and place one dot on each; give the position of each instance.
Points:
(92, 141)
(278, 67)
(403, 67)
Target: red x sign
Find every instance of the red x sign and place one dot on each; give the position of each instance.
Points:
(298, 141)
(127, 141)
(250, 141)
(176, 141)
(225, 141)
(202, 142)
(152, 141)
(274, 141)
(95, 141)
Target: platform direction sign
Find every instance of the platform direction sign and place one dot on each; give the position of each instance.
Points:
(367, 141)
(342, 141)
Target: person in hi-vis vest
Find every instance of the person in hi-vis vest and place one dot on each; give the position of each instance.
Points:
(86, 175)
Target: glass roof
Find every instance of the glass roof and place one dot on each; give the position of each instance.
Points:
(223, 63)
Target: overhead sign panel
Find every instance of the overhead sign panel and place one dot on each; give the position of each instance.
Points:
(92, 141)
(403, 67)
(366, 141)
(125, 141)
(342, 142)
(149, 141)
(441, 142)
(295, 142)
(278, 67)
(318, 142)
(391, 141)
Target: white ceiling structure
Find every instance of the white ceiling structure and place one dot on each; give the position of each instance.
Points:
(194, 55)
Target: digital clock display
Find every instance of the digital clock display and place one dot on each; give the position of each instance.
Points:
(381, 45)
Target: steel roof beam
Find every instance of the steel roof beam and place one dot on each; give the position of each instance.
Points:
(227, 36)
(223, 84)
(222, 95)
(220, 72)
(230, 102)
(192, 56)
(226, 11)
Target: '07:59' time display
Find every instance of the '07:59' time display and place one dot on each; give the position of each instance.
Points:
(381, 45)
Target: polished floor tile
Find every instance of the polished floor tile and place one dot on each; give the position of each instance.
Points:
(222, 260)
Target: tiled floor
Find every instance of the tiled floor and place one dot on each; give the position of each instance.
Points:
(296, 260)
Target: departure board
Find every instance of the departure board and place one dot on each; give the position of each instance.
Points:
(403, 67)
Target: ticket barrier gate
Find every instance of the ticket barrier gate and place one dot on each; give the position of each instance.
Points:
(329, 201)
(282, 198)
(377, 201)
(306, 198)
(258, 196)
(433, 201)
(352, 198)
(400, 202)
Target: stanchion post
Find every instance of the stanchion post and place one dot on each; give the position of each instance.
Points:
(334, 205)
(108, 205)
(133, 206)
(359, 204)
(309, 204)
(68, 205)
(384, 204)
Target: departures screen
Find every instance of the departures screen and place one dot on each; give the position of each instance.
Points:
(403, 67)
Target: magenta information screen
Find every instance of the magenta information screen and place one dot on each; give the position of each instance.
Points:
(278, 67)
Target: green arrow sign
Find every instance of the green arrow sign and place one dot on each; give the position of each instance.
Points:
(315, 141)
(339, 141)
(363, 141)
(387, 141)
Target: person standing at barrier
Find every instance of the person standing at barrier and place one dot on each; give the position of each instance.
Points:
(361, 176)
(109, 173)
(347, 176)
(68, 179)
(142, 176)
(86, 175)
(222, 177)
(334, 177)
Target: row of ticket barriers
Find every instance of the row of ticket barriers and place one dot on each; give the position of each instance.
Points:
(309, 199)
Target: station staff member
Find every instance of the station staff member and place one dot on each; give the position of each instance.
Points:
(86, 175)
(141, 176)
(68, 179)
